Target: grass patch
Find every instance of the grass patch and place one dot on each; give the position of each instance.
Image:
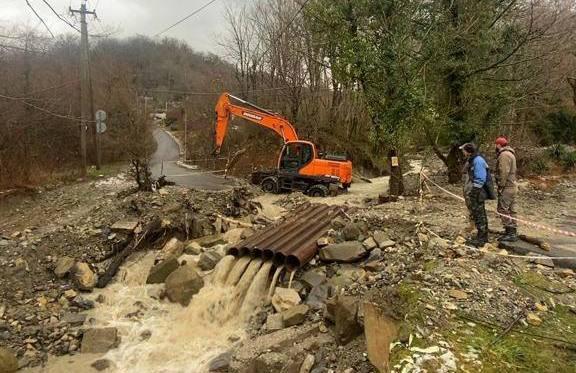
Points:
(106, 170)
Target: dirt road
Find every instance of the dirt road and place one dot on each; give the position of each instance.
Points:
(164, 163)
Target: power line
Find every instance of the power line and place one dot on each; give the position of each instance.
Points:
(187, 17)
(40, 18)
(23, 100)
(60, 16)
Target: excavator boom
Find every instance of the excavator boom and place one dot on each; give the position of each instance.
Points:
(225, 108)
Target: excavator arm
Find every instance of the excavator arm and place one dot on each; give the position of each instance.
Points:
(225, 108)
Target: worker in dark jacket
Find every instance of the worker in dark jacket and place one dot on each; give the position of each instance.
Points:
(507, 188)
(478, 175)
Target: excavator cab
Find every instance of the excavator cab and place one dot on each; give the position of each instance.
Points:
(295, 155)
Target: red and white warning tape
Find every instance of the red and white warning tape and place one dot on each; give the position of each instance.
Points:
(526, 222)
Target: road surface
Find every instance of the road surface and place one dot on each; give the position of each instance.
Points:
(169, 152)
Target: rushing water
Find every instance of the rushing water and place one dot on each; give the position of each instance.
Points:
(158, 336)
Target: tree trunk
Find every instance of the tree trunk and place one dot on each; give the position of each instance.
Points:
(396, 185)
(454, 164)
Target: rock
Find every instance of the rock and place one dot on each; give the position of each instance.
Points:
(387, 243)
(370, 243)
(193, 248)
(101, 364)
(318, 295)
(220, 362)
(182, 284)
(541, 307)
(162, 270)
(533, 319)
(323, 241)
(99, 340)
(274, 322)
(565, 273)
(201, 227)
(212, 240)
(345, 319)
(438, 244)
(8, 361)
(173, 248)
(235, 235)
(338, 222)
(70, 294)
(64, 266)
(380, 237)
(307, 364)
(125, 226)
(295, 315)
(84, 278)
(345, 252)
(284, 299)
(351, 232)
(268, 362)
(209, 259)
(375, 255)
(313, 278)
(546, 262)
(380, 331)
(458, 294)
(73, 319)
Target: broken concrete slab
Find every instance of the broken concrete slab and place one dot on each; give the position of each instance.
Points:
(99, 340)
(162, 270)
(295, 315)
(380, 331)
(370, 243)
(183, 284)
(125, 226)
(345, 252)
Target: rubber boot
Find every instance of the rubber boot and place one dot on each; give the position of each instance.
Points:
(480, 240)
(511, 235)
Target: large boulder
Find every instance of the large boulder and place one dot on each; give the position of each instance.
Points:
(64, 266)
(345, 252)
(162, 270)
(209, 259)
(173, 248)
(8, 361)
(193, 248)
(182, 284)
(84, 278)
(99, 340)
(346, 322)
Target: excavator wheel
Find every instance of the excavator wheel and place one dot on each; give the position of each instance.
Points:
(318, 190)
(269, 184)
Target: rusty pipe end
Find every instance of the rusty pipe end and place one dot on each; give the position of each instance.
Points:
(233, 251)
(279, 259)
(292, 262)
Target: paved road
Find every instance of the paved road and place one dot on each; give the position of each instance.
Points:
(169, 152)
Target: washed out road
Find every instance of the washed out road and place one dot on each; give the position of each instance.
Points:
(168, 152)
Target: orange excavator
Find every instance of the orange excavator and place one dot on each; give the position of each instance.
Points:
(300, 166)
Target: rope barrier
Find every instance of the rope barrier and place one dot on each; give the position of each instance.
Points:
(526, 222)
(508, 255)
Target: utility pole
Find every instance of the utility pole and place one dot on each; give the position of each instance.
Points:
(84, 82)
(185, 134)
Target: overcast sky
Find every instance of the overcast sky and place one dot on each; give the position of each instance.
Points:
(130, 17)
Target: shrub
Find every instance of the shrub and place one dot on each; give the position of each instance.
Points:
(558, 127)
(569, 160)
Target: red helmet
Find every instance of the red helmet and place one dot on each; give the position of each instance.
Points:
(502, 141)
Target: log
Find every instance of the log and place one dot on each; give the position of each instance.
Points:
(153, 227)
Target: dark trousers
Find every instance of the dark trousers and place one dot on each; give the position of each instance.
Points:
(477, 209)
